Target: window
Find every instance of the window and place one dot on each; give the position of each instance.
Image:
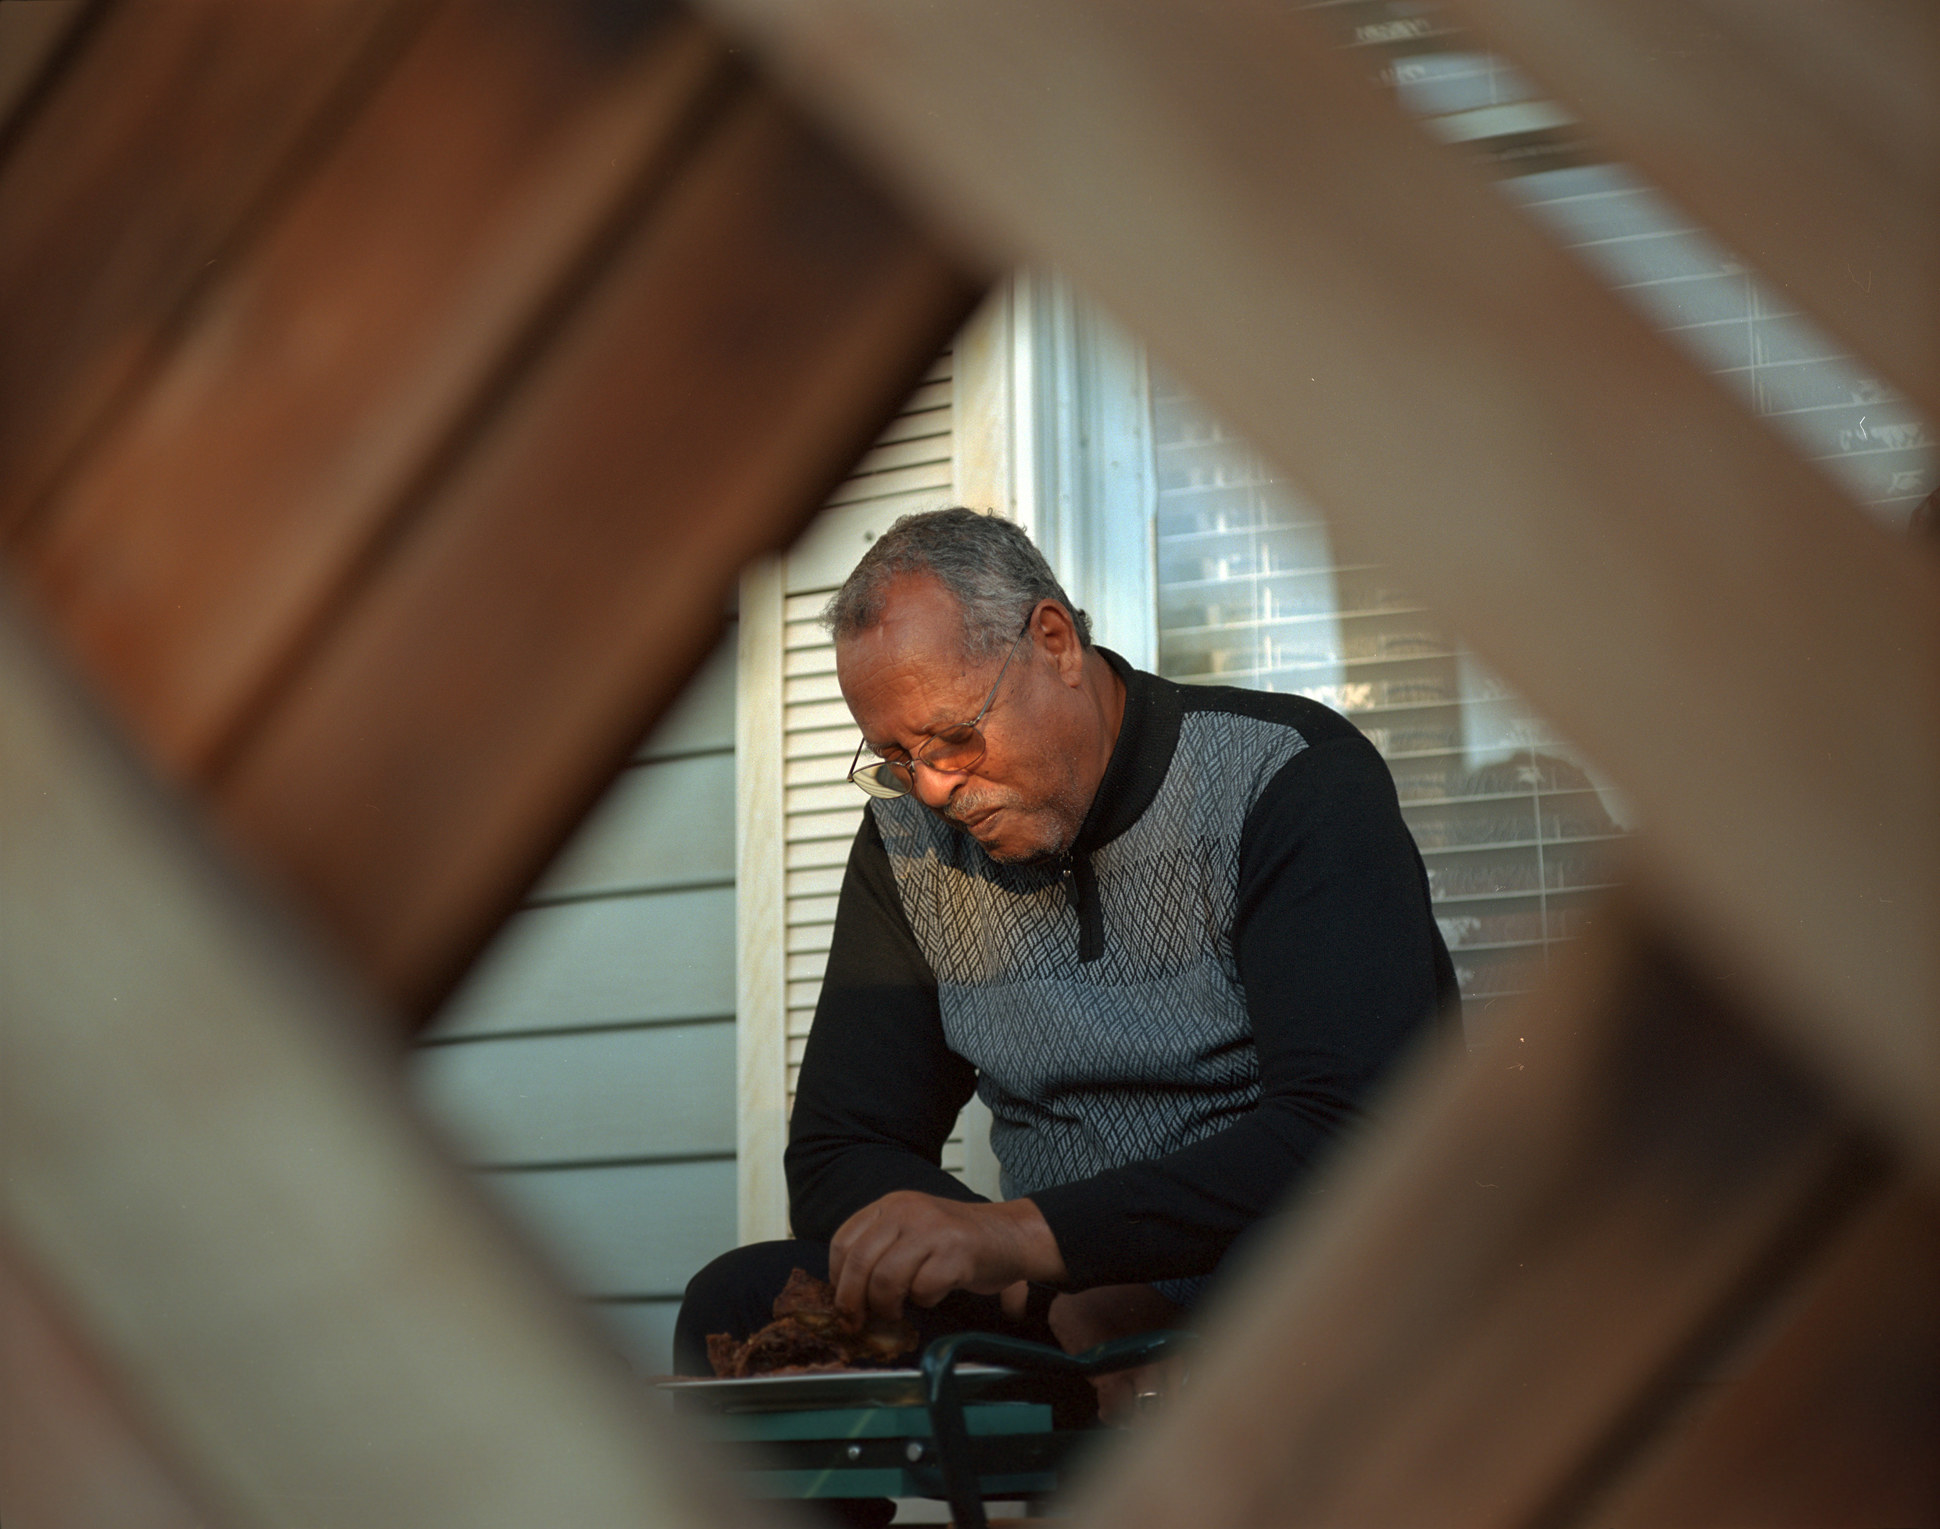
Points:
(1516, 835)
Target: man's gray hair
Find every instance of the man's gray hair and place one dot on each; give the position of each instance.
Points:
(985, 561)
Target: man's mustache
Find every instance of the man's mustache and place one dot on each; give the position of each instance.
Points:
(961, 809)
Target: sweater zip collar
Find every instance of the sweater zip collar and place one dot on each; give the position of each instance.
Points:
(1148, 736)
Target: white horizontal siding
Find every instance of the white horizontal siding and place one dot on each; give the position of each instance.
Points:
(639, 1329)
(910, 469)
(666, 1091)
(665, 823)
(702, 719)
(628, 1232)
(586, 1068)
(625, 960)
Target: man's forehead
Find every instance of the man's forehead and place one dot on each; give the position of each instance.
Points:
(908, 671)
(920, 627)
(918, 608)
(879, 666)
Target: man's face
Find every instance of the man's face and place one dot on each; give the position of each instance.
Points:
(907, 677)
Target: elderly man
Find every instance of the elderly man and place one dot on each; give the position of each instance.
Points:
(1171, 935)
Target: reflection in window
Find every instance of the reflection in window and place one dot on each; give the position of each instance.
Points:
(1516, 835)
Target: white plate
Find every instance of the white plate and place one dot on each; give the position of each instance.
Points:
(841, 1388)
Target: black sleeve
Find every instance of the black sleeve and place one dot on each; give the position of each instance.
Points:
(879, 1090)
(1342, 965)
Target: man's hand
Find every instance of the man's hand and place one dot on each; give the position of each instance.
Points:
(917, 1247)
(1089, 1317)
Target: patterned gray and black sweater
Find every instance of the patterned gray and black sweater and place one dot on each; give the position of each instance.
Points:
(1170, 1024)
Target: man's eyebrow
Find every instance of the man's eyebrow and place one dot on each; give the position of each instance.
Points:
(878, 749)
(935, 727)
(930, 730)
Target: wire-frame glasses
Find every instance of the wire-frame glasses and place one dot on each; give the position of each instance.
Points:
(950, 750)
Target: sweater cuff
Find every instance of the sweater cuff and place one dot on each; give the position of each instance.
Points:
(1095, 1238)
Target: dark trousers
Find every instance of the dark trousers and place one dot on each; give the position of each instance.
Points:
(736, 1295)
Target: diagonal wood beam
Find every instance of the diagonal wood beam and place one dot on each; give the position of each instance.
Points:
(1869, 63)
(172, 131)
(208, 1155)
(343, 350)
(1833, 1417)
(1712, 101)
(567, 575)
(1511, 1288)
(71, 1457)
(391, 520)
(1749, 657)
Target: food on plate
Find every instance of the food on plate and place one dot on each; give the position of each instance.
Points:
(809, 1337)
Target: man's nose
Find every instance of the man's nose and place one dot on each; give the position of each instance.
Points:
(933, 788)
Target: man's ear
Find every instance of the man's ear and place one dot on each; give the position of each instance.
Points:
(1057, 634)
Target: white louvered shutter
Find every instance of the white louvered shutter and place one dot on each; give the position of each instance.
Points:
(805, 845)
(910, 468)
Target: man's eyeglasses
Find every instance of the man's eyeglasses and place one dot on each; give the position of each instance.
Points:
(950, 750)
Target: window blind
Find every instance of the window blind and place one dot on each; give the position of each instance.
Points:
(1516, 833)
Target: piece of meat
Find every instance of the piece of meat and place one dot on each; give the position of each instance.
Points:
(804, 1293)
(808, 1335)
(785, 1343)
(723, 1353)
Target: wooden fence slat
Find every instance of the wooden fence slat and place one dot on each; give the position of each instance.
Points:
(339, 354)
(429, 753)
(210, 1157)
(1478, 1319)
(133, 181)
(1837, 1419)
(34, 42)
(1868, 62)
(70, 1456)
(1606, 528)
(1692, 94)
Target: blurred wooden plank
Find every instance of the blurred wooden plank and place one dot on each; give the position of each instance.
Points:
(1836, 1421)
(1608, 529)
(176, 125)
(1479, 1318)
(422, 761)
(343, 354)
(1869, 64)
(31, 41)
(209, 1157)
(70, 1457)
(1695, 93)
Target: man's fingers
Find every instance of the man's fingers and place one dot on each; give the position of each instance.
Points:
(859, 1244)
(936, 1276)
(890, 1279)
(915, 1247)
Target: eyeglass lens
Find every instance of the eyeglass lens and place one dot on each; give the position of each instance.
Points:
(953, 750)
(950, 750)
